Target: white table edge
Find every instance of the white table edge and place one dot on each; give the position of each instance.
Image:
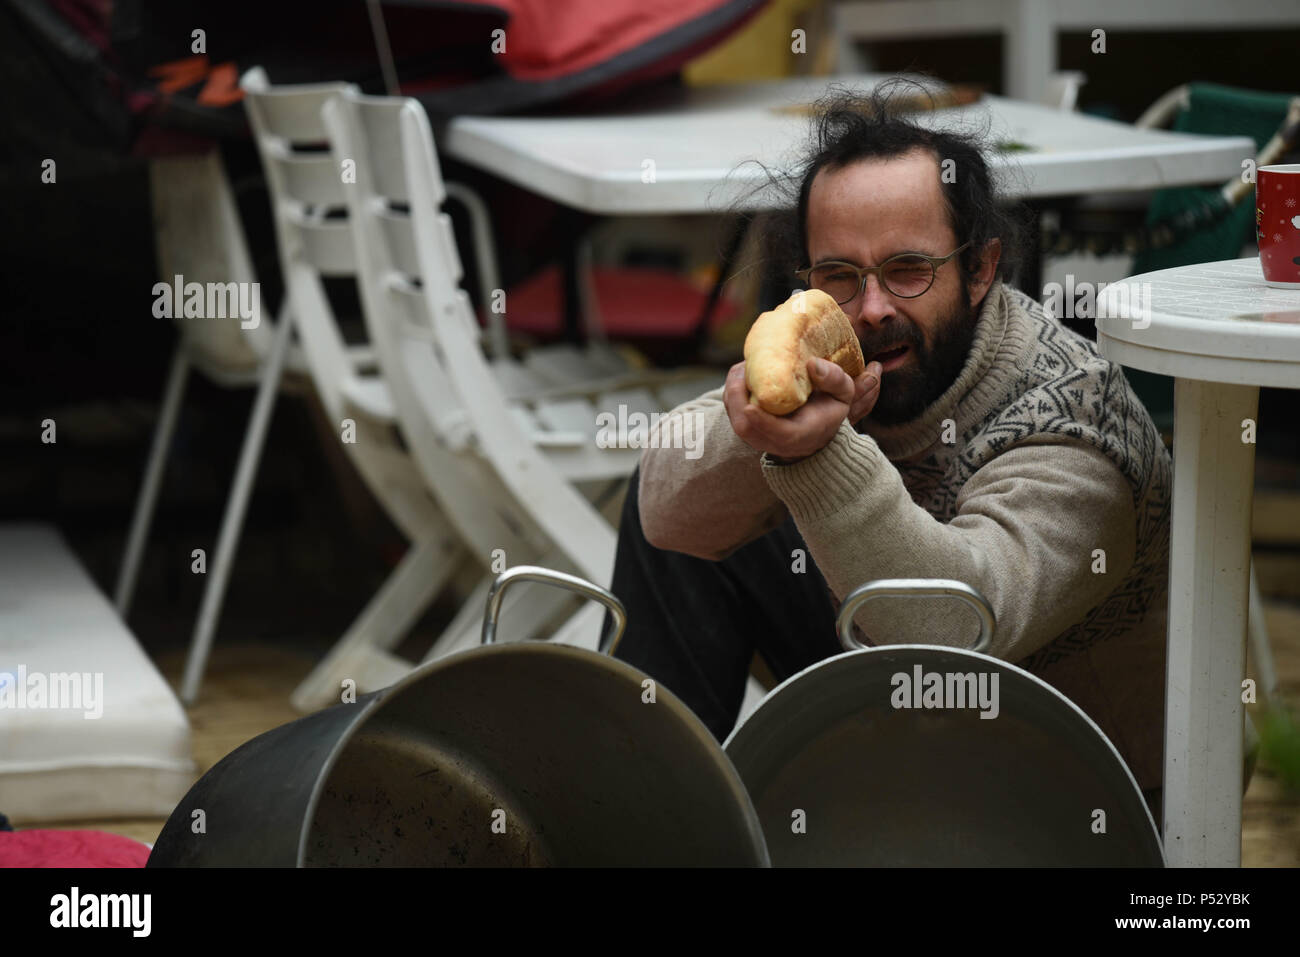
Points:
(1227, 370)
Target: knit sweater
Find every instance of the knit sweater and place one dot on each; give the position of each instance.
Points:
(1037, 478)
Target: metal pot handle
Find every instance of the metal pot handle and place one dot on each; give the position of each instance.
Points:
(915, 588)
(535, 573)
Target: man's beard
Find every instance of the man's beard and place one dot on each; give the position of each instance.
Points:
(907, 391)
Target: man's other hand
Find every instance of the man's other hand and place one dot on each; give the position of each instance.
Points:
(806, 430)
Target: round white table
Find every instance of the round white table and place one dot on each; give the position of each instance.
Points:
(1221, 333)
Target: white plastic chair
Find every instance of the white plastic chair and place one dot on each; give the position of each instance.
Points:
(199, 237)
(304, 186)
(505, 465)
(307, 193)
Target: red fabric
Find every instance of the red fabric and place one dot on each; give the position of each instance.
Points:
(70, 849)
(633, 303)
(546, 39)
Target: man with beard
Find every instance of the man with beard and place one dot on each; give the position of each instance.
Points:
(985, 442)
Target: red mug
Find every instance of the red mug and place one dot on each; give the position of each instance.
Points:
(1277, 224)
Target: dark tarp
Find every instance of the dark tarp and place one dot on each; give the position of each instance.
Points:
(115, 72)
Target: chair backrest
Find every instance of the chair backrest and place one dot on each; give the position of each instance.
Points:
(313, 234)
(200, 238)
(1212, 109)
(429, 413)
(428, 341)
(365, 132)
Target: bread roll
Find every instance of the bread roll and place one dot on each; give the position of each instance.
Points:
(807, 325)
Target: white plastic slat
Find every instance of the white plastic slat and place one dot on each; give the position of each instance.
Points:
(369, 394)
(409, 309)
(328, 246)
(419, 304)
(435, 394)
(465, 315)
(567, 415)
(515, 380)
(380, 120)
(311, 178)
(560, 440)
(561, 365)
(528, 424)
(413, 335)
(448, 254)
(295, 115)
(399, 237)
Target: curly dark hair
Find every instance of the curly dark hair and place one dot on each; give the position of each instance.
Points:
(852, 125)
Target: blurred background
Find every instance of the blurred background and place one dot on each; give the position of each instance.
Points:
(106, 87)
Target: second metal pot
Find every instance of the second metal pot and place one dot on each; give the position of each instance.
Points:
(849, 765)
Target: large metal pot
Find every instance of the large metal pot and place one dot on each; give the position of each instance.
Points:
(845, 770)
(503, 755)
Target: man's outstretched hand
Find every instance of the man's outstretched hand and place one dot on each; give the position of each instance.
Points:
(809, 428)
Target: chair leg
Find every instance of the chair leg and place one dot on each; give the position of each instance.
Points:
(389, 615)
(232, 522)
(1260, 649)
(153, 473)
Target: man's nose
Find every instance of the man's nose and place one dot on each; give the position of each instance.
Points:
(873, 306)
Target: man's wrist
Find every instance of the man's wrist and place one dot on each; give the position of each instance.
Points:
(836, 476)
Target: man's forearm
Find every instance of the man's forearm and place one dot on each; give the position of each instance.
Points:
(1026, 535)
(710, 505)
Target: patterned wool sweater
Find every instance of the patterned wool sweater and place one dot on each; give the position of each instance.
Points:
(1038, 478)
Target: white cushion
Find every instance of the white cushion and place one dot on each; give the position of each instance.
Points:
(60, 635)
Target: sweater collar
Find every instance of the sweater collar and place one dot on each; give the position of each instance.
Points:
(1001, 333)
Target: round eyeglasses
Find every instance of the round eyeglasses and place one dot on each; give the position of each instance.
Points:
(906, 276)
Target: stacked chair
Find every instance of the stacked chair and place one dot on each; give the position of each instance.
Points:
(199, 237)
(304, 187)
(479, 458)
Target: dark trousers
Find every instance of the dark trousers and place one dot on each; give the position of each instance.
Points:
(694, 625)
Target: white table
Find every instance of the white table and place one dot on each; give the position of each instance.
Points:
(1219, 360)
(700, 143)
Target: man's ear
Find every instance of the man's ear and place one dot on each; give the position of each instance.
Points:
(980, 282)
